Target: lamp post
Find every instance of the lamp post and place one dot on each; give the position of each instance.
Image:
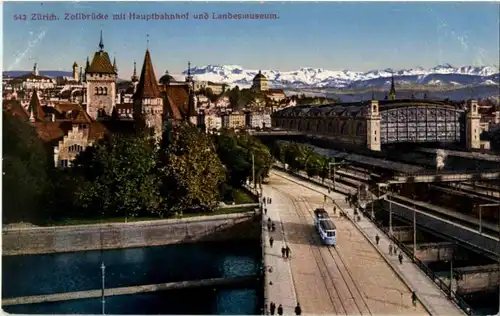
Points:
(103, 276)
(414, 229)
(334, 164)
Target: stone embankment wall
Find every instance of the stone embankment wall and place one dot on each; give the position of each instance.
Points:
(38, 240)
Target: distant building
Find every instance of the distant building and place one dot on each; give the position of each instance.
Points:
(236, 120)
(213, 122)
(32, 81)
(258, 119)
(260, 82)
(276, 95)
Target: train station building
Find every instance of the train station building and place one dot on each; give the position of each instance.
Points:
(376, 123)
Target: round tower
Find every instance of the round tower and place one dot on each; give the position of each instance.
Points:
(76, 73)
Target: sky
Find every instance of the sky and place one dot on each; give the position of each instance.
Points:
(330, 35)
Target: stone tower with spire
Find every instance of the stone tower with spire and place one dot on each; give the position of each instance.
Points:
(148, 102)
(100, 76)
(134, 78)
(392, 92)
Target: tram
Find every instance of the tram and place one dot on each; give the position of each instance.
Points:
(325, 227)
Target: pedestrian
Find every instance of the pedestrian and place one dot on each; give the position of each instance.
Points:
(272, 307)
(377, 239)
(400, 258)
(271, 241)
(334, 210)
(264, 200)
(283, 251)
(273, 227)
(414, 299)
(270, 200)
(265, 211)
(280, 310)
(298, 310)
(324, 198)
(269, 226)
(287, 251)
(390, 249)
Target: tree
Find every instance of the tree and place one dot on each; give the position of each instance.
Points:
(235, 151)
(190, 169)
(119, 177)
(26, 168)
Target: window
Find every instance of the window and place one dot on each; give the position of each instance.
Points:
(330, 233)
(105, 91)
(96, 90)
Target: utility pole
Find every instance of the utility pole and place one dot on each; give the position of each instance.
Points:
(414, 229)
(253, 170)
(451, 270)
(103, 275)
(334, 164)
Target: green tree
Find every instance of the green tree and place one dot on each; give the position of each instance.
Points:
(236, 150)
(26, 168)
(191, 171)
(119, 177)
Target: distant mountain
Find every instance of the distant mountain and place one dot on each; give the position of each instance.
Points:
(322, 78)
(48, 73)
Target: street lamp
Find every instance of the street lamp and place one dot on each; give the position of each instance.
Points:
(414, 228)
(334, 164)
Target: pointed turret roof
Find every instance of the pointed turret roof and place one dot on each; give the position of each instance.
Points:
(35, 107)
(134, 75)
(101, 63)
(392, 92)
(147, 86)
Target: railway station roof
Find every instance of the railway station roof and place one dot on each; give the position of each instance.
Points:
(352, 109)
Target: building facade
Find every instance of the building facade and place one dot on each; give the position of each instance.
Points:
(376, 123)
(100, 76)
(260, 82)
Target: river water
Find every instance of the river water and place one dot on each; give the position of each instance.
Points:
(78, 271)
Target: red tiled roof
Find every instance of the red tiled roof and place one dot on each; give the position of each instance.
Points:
(180, 97)
(80, 116)
(170, 108)
(66, 107)
(15, 108)
(147, 86)
(101, 64)
(51, 132)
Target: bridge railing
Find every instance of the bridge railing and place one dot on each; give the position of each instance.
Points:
(437, 280)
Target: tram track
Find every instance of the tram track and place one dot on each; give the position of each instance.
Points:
(346, 276)
(338, 301)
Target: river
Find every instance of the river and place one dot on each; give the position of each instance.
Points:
(65, 272)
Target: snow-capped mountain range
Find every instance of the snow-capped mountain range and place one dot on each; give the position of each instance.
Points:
(322, 78)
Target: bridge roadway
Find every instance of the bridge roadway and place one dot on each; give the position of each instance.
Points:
(352, 278)
(370, 266)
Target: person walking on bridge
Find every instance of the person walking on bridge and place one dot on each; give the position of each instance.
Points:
(377, 239)
(390, 249)
(280, 310)
(298, 310)
(283, 251)
(271, 241)
(287, 251)
(272, 308)
(400, 258)
(414, 298)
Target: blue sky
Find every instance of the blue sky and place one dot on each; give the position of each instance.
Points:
(331, 35)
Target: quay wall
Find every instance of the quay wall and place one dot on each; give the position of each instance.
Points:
(40, 240)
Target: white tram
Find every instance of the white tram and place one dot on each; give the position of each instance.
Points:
(325, 227)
